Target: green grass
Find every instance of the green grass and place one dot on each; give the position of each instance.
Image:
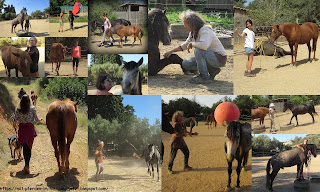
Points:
(65, 20)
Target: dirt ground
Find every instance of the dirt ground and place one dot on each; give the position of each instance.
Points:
(13, 71)
(277, 76)
(43, 165)
(284, 180)
(39, 28)
(123, 174)
(172, 81)
(94, 39)
(282, 118)
(66, 69)
(208, 160)
(93, 90)
(80, 30)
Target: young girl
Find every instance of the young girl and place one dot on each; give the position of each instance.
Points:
(99, 158)
(177, 141)
(249, 46)
(61, 21)
(107, 26)
(26, 117)
(76, 55)
(271, 117)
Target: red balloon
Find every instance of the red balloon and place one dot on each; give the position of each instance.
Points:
(226, 111)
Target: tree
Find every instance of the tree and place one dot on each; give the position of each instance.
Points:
(239, 3)
(244, 103)
(104, 58)
(37, 14)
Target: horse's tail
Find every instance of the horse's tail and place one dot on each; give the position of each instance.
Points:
(268, 174)
(61, 132)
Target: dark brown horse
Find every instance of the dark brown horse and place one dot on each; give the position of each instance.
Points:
(237, 145)
(158, 26)
(211, 120)
(297, 34)
(299, 110)
(190, 122)
(61, 122)
(18, 19)
(289, 158)
(260, 113)
(124, 31)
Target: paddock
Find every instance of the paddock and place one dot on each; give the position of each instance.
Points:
(284, 180)
(282, 118)
(13, 72)
(80, 30)
(277, 76)
(123, 174)
(39, 28)
(66, 69)
(172, 81)
(208, 160)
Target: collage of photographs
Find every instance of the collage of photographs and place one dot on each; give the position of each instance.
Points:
(159, 95)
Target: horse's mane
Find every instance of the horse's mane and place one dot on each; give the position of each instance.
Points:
(233, 130)
(131, 65)
(151, 20)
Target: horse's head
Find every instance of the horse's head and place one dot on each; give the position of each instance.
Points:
(312, 148)
(286, 106)
(74, 103)
(232, 139)
(24, 11)
(131, 79)
(275, 33)
(64, 50)
(159, 23)
(24, 61)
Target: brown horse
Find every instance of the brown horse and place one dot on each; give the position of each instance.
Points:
(260, 112)
(61, 122)
(124, 31)
(18, 19)
(297, 34)
(211, 120)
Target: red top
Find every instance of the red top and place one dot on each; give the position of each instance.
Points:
(76, 52)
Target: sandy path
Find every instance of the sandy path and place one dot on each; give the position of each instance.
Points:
(39, 28)
(66, 69)
(43, 165)
(305, 123)
(93, 90)
(13, 72)
(123, 174)
(80, 30)
(172, 81)
(277, 76)
(284, 180)
(94, 40)
(207, 157)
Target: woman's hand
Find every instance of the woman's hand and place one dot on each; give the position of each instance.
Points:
(236, 30)
(167, 54)
(189, 47)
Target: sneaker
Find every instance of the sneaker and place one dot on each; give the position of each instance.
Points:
(199, 80)
(213, 73)
(170, 171)
(250, 75)
(100, 44)
(58, 30)
(187, 168)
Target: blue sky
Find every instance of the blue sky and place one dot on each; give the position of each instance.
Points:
(203, 100)
(137, 1)
(135, 57)
(248, 1)
(148, 106)
(31, 5)
(282, 137)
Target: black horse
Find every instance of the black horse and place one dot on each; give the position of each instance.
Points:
(166, 127)
(237, 145)
(158, 31)
(190, 122)
(298, 109)
(289, 158)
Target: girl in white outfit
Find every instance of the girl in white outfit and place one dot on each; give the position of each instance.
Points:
(107, 25)
(249, 46)
(271, 117)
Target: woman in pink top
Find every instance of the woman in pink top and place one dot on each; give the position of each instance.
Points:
(76, 55)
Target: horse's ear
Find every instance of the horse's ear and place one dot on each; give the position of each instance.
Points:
(164, 11)
(16, 54)
(140, 61)
(225, 123)
(76, 103)
(278, 27)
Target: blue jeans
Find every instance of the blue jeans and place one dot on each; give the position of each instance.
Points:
(201, 61)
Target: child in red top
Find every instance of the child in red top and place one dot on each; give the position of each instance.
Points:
(76, 55)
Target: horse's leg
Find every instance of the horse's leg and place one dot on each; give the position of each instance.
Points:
(312, 117)
(291, 119)
(52, 66)
(139, 37)
(158, 170)
(69, 141)
(152, 171)
(229, 173)
(238, 173)
(309, 48)
(17, 72)
(314, 47)
(297, 120)
(134, 39)
(273, 176)
(295, 53)
(54, 142)
(291, 48)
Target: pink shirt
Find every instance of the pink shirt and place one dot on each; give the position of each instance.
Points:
(76, 52)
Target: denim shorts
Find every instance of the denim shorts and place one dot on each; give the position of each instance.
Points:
(248, 50)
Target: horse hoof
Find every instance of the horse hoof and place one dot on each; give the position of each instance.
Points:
(237, 189)
(228, 189)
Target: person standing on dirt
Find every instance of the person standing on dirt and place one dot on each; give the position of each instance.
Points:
(98, 155)
(104, 84)
(71, 18)
(177, 141)
(21, 93)
(106, 25)
(271, 117)
(76, 55)
(248, 46)
(61, 20)
(26, 116)
(209, 53)
(34, 68)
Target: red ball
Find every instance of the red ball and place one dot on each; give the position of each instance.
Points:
(226, 111)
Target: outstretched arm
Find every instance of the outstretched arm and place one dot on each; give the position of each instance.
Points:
(240, 35)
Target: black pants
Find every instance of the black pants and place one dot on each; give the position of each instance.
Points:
(75, 61)
(173, 154)
(26, 154)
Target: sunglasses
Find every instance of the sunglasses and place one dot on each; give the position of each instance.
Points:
(108, 79)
